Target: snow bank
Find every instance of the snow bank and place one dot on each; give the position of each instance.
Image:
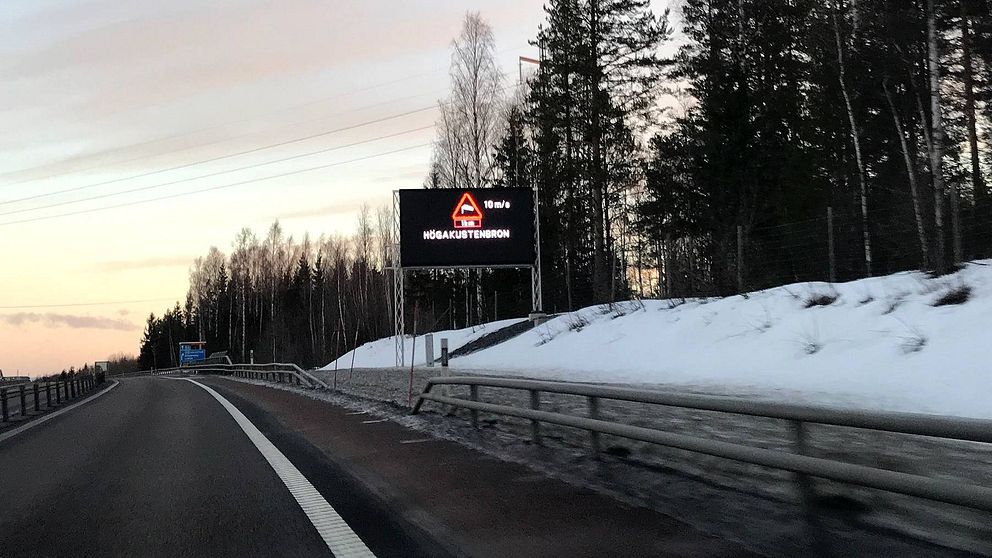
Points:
(382, 353)
(874, 343)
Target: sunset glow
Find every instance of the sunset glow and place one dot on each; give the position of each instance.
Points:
(102, 98)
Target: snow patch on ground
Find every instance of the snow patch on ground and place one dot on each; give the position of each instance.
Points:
(880, 343)
(382, 353)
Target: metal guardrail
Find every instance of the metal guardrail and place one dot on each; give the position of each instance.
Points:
(52, 393)
(804, 465)
(277, 372)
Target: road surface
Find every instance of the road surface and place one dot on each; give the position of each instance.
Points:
(155, 467)
(162, 467)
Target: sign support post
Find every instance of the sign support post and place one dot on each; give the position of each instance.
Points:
(399, 301)
(536, 290)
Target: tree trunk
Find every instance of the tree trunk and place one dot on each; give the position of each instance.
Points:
(936, 137)
(857, 147)
(597, 176)
(911, 173)
(977, 181)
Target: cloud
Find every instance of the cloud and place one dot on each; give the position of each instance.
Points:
(66, 320)
(144, 263)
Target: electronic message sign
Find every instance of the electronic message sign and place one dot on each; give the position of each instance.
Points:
(469, 227)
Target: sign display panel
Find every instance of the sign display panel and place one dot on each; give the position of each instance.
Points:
(468, 227)
(191, 352)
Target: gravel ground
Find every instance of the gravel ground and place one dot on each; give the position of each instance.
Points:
(754, 505)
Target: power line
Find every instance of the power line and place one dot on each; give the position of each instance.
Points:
(221, 125)
(213, 174)
(220, 158)
(205, 161)
(216, 126)
(185, 148)
(213, 188)
(82, 304)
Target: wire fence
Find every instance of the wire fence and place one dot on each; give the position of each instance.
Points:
(829, 248)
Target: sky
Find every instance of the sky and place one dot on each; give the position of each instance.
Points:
(135, 135)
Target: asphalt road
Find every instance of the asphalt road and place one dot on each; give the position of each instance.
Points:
(159, 467)
(156, 467)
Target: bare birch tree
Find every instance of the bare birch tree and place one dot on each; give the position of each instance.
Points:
(470, 120)
(936, 136)
(911, 174)
(856, 140)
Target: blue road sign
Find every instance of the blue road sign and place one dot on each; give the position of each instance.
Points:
(189, 356)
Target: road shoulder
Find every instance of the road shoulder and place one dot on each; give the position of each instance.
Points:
(461, 501)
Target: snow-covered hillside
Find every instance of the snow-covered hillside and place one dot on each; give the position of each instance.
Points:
(382, 353)
(903, 342)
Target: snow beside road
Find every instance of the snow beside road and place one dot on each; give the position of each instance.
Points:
(881, 344)
(382, 353)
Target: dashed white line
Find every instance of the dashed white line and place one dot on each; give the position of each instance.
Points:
(339, 537)
(357, 413)
(374, 421)
(47, 418)
(418, 441)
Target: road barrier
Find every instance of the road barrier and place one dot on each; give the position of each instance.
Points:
(276, 372)
(805, 466)
(54, 391)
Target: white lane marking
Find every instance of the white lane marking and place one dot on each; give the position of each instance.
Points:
(358, 413)
(374, 421)
(47, 418)
(420, 441)
(342, 541)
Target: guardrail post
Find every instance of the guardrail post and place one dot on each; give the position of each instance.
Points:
(819, 542)
(48, 394)
(58, 394)
(594, 414)
(3, 404)
(474, 396)
(37, 402)
(429, 349)
(24, 401)
(535, 425)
